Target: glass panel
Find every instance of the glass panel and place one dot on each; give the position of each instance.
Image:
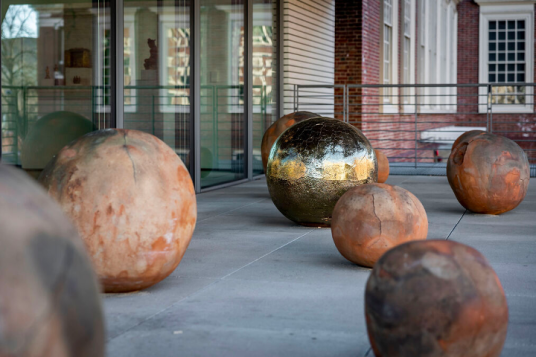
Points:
(55, 76)
(157, 71)
(264, 56)
(222, 91)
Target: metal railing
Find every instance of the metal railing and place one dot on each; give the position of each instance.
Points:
(416, 125)
(163, 111)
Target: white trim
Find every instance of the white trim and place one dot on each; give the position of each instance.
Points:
(438, 67)
(392, 100)
(506, 12)
(409, 102)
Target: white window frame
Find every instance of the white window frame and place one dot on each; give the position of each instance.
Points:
(506, 12)
(408, 101)
(390, 103)
(442, 24)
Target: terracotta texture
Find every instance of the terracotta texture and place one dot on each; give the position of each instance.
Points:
(435, 298)
(313, 163)
(49, 295)
(277, 128)
(368, 220)
(383, 166)
(132, 200)
(488, 173)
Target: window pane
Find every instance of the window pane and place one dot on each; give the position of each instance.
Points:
(502, 67)
(492, 46)
(492, 25)
(500, 77)
(511, 46)
(511, 35)
(56, 76)
(222, 91)
(492, 35)
(502, 46)
(157, 71)
(520, 24)
(491, 78)
(502, 35)
(521, 56)
(521, 46)
(520, 35)
(511, 77)
(502, 57)
(492, 57)
(511, 25)
(521, 77)
(492, 68)
(264, 100)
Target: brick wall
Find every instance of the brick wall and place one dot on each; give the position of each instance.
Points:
(357, 61)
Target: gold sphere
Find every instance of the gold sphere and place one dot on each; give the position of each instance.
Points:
(313, 163)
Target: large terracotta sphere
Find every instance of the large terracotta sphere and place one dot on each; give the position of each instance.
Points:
(132, 200)
(488, 173)
(49, 295)
(370, 219)
(313, 163)
(277, 128)
(49, 135)
(435, 298)
(383, 166)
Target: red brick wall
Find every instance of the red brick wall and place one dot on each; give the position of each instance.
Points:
(468, 68)
(357, 61)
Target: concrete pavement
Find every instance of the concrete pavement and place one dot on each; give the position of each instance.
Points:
(253, 283)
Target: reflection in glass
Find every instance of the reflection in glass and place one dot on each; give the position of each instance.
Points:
(56, 66)
(264, 108)
(222, 91)
(157, 71)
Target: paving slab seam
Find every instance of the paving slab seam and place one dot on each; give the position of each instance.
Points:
(206, 287)
(456, 225)
(234, 209)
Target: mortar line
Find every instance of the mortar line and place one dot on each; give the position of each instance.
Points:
(205, 287)
(456, 225)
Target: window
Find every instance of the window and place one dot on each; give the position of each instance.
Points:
(387, 40)
(407, 48)
(438, 31)
(506, 57)
(389, 49)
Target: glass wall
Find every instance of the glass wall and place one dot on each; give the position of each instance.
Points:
(157, 71)
(58, 78)
(55, 76)
(264, 76)
(222, 91)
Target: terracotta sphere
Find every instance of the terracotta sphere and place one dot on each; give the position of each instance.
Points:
(313, 163)
(488, 173)
(368, 220)
(132, 200)
(277, 128)
(435, 298)
(49, 295)
(48, 136)
(383, 166)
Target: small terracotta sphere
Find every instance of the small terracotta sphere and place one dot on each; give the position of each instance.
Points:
(132, 200)
(49, 295)
(435, 298)
(488, 173)
(277, 128)
(370, 219)
(383, 166)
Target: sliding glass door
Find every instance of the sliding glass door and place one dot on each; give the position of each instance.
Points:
(222, 126)
(156, 54)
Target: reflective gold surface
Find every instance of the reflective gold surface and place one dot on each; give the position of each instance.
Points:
(313, 163)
